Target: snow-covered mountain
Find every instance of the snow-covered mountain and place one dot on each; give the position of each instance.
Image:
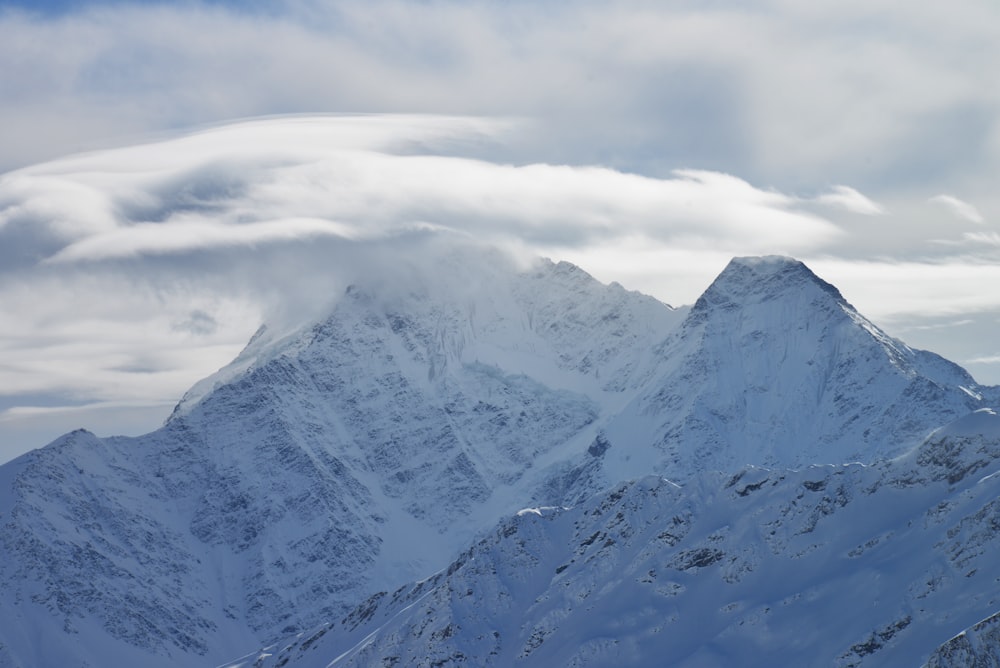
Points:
(774, 367)
(846, 565)
(365, 450)
(356, 453)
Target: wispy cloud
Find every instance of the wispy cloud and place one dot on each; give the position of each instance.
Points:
(851, 200)
(950, 325)
(961, 209)
(178, 237)
(988, 359)
(889, 290)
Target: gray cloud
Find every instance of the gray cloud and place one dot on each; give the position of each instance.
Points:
(198, 322)
(874, 94)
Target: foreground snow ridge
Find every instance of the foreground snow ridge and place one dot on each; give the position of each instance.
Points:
(834, 565)
(592, 476)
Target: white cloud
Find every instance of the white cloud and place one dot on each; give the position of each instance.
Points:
(887, 290)
(851, 200)
(988, 359)
(286, 180)
(181, 236)
(961, 209)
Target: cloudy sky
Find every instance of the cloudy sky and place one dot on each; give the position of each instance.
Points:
(175, 173)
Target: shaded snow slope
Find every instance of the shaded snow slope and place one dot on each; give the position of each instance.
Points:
(833, 565)
(355, 454)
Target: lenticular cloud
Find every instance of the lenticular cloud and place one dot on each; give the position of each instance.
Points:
(367, 177)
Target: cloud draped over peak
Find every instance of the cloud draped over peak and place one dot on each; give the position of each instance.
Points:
(124, 271)
(179, 248)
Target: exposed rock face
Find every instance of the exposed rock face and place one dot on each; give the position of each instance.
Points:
(976, 647)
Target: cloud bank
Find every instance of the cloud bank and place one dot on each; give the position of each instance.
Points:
(876, 94)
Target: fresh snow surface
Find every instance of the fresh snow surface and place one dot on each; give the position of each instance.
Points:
(826, 566)
(356, 454)
(984, 421)
(774, 367)
(365, 450)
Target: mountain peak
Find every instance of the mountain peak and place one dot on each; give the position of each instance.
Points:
(766, 262)
(749, 280)
(789, 373)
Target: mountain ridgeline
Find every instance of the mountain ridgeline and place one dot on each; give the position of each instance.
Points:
(292, 492)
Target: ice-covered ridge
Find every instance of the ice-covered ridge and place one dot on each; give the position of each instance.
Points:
(983, 423)
(977, 647)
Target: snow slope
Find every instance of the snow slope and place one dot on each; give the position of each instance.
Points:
(829, 566)
(774, 367)
(365, 450)
(354, 454)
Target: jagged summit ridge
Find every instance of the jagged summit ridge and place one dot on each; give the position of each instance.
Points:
(544, 319)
